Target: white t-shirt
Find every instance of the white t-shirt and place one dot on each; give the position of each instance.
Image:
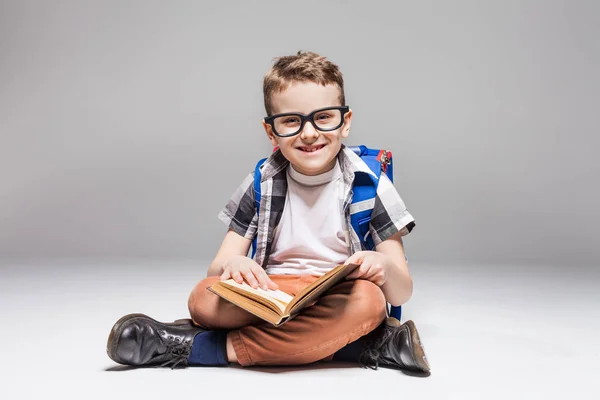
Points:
(309, 238)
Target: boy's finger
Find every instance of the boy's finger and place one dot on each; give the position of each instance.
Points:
(361, 271)
(374, 275)
(237, 277)
(272, 285)
(370, 273)
(250, 279)
(262, 279)
(356, 258)
(357, 273)
(225, 275)
(351, 275)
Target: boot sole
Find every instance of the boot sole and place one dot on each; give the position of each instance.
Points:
(417, 347)
(117, 329)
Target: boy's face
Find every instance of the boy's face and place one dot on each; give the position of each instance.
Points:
(311, 152)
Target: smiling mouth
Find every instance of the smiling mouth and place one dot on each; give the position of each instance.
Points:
(311, 149)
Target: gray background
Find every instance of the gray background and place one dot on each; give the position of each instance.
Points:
(126, 125)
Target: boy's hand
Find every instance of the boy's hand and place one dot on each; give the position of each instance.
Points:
(372, 266)
(243, 269)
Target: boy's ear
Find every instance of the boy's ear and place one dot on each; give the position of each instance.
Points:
(270, 133)
(347, 124)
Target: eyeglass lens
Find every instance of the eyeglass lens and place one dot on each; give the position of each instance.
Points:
(323, 120)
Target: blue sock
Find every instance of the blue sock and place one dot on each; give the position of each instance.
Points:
(350, 352)
(209, 348)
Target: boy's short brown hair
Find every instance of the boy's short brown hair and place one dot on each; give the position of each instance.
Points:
(302, 67)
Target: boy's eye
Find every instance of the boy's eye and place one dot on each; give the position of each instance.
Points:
(291, 120)
(322, 117)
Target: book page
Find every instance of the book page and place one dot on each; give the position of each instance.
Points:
(320, 286)
(278, 295)
(261, 310)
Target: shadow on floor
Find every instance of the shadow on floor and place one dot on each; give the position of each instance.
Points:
(275, 369)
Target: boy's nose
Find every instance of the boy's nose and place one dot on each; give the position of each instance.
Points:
(309, 131)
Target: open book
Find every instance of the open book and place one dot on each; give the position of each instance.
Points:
(275, 306)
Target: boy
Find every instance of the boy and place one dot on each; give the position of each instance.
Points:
(303, 230)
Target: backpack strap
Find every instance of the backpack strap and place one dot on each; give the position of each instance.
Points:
(257, 178)
(365, 190)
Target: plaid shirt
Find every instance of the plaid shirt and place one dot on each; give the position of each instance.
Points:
(388, 217)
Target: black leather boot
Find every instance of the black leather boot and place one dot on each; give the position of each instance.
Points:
(396, 345)
(139, 340)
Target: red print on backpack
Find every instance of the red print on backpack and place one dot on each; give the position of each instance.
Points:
(384, 158)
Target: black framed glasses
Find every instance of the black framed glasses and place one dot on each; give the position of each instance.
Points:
(324, 119)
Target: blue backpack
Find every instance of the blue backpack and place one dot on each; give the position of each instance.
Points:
(364, 189)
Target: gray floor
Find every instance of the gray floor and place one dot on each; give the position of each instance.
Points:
(490, 332)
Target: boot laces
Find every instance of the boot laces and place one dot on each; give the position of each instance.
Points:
(374, 342)
(178, 350)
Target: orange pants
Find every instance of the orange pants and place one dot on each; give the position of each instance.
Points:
(349, 310)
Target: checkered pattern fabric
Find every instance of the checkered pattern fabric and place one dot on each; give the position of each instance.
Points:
(388, 217)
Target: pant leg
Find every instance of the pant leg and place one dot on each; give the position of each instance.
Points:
(351, 309)
(212, 312)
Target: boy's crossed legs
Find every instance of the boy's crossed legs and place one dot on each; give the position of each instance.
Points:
(350, 310)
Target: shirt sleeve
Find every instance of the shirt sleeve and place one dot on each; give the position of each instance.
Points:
(240, 212)
(389, 213)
